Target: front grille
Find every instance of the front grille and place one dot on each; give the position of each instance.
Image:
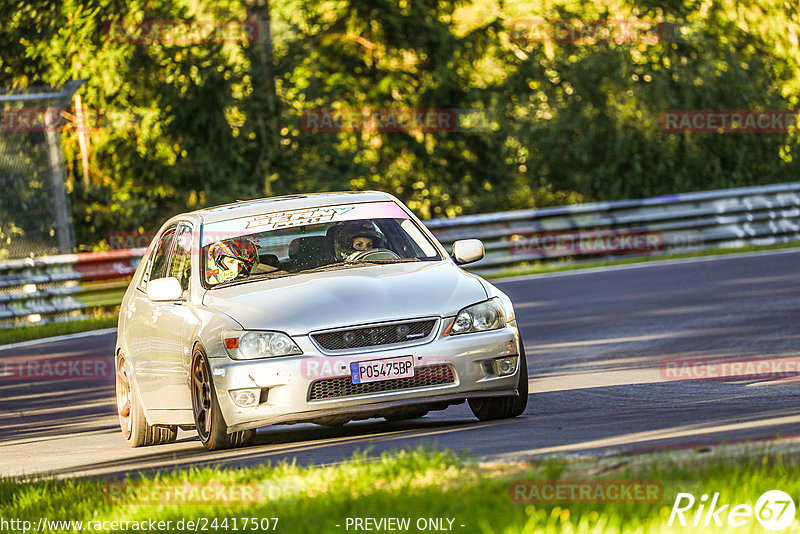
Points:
(334, 388)
(371, 336)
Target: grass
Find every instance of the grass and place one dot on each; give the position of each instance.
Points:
(541, 268)
(26, 333)
(423, 483)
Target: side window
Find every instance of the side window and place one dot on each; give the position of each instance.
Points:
(148, 261)
(181, 261)
(158, 269)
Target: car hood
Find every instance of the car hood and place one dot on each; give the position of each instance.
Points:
(304, 303)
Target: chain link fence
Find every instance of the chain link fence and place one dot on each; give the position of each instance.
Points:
(34, 205)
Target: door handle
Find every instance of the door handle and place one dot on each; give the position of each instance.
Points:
(156, 314)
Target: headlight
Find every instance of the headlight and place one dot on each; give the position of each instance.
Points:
(253, 345)
(488, 315)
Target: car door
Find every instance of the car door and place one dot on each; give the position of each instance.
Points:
(138, 319)
(171, 355)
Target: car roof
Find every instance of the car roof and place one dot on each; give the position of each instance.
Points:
(246, 208)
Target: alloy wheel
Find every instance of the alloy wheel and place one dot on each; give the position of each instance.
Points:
(201, 397)
(124, 397)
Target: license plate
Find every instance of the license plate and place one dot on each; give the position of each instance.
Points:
(388, 369)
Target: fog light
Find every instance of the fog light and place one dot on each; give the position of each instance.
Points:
(506, 366)
(246, 398)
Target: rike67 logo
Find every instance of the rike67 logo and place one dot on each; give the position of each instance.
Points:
(774, 510)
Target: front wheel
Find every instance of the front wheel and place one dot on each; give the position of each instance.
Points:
(211, 426)
(132, 420)
(487, 409)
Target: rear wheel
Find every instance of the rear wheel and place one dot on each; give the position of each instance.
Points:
(132, 420)
(211, 426)
(488, 409)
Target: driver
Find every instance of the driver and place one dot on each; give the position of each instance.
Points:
(230, 259)
(363, 242)
(355, 237)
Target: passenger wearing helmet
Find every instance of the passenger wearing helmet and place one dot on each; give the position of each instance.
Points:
(230, 259)
(354, 237)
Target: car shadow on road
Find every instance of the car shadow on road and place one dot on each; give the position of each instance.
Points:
(304, 444)
(36, 411)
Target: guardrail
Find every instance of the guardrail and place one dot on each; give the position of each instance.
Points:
(65, 286)
(62, 287)
(686, 222)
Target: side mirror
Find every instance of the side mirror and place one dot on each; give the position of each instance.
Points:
(468, 251)
(164, 289)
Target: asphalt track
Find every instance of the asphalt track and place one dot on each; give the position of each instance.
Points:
(599, 346)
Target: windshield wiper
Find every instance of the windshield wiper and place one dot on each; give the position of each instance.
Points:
(326, 267)
(355, 263)
(395, 260)
(251, 278)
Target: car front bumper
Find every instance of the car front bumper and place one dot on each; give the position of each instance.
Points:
(286, 381)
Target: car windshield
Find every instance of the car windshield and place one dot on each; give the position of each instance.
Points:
(292, 242)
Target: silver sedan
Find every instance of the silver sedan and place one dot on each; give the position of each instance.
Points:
(320, 308)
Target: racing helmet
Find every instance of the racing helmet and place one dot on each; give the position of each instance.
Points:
(347, 232)
(238, 248)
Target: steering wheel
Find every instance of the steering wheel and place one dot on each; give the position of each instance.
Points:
(372, 254)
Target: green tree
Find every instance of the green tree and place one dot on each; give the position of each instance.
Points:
(191, 125)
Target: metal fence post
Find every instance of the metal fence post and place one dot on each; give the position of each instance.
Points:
(58, 181)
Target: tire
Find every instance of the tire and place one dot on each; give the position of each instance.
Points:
(132, 420)
(520, 402)
(489, 409)
(210, 425)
